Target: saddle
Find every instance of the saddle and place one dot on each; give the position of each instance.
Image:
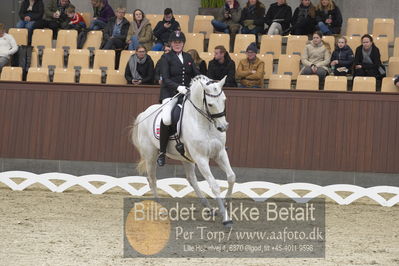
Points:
(174, 129)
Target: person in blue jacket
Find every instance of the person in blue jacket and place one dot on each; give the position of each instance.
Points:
(342, 58)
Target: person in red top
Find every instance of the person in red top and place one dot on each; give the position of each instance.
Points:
(77, 22)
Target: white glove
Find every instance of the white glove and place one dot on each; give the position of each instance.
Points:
(182, 89)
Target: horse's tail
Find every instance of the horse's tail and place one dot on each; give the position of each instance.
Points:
(134, 133)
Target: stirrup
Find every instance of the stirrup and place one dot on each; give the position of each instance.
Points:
(161, 159)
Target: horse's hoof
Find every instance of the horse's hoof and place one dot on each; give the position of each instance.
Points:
(228, 224)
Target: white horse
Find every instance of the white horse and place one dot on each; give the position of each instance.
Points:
(203, 134)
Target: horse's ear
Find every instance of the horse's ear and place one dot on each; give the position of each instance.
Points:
(221, 83)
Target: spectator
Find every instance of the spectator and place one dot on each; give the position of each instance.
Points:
(252, 17)
(115, 31)
(102, 13)
(8, 46)
(199, 63)
(140, 68)
(368, 59)
(328, 17)
(228, 19)
(77, 22)
(396, 81)
(30, 12)
(250, 71)
(164, 28)
(140, 31)
(55, 16)
(222, 65)
(342, 58)
(304, 19)
(278, 18)
(157, 75)
(316, 57)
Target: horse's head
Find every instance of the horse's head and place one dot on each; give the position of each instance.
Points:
(215, 103)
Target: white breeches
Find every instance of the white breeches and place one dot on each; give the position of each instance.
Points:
(167, 110)
(275, 29)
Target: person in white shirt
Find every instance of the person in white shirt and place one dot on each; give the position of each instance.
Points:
(8, 47)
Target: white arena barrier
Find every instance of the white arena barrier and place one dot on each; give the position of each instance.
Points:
(127, 184)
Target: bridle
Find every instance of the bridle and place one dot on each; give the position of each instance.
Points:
(210, 117)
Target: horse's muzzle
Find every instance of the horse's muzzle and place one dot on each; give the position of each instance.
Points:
(222, 128)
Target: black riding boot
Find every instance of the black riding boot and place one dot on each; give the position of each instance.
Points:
(163, 144)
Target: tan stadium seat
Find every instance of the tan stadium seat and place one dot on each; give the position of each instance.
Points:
(34, 60)
(87, 18)
(129, 17)
(53, 57)
(183, 21)
(289, 65)
(268, 60)
(155, 56)
(357, 26)
(242, 41)
(280, 82)
(388, 85)
(271, 44)
(42, 37)
(90, 76)
(393, 66)
(154, 19)
(353, 42)
(237, 58)
(364, 84)
(94, 39)
(67, 38)
(296, 44)
(64, 75)
(307, 82)
(331, 41)
(216, 39)
(384, 27)
(116, 77)
(382, 44)
(104, 58)
(37, 75)
(79, 57)
(125, 56)
(396, 48)
(206, 56)
(11, 73)
(194, 41)
(20, 35)
(335, 83)
(202, 24)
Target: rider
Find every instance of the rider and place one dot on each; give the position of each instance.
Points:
(177, 69)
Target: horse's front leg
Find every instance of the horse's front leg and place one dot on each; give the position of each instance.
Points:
(203, 166)
(224, 163)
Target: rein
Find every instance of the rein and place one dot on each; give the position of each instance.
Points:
(210, 117)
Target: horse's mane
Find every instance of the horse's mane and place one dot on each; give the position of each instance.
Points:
(204, 78)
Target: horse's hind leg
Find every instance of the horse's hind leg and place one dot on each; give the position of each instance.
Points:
(152, 175)
(189, 169)
(223, 161)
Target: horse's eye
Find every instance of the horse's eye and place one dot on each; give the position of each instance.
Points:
(210, 105)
